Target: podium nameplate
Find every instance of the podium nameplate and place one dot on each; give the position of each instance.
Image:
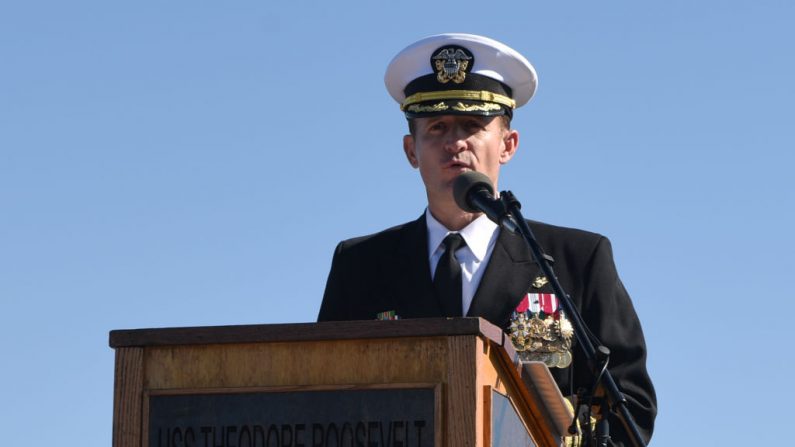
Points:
(394, 417)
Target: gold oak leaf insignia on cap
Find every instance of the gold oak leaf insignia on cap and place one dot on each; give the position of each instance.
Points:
(451, 64)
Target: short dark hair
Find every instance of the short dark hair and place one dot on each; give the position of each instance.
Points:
(506, 123)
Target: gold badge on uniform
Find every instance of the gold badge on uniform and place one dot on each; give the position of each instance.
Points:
(451, 64)
(540, 282)
(540, 330)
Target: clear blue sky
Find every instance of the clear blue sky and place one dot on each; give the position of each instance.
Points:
(195, 163)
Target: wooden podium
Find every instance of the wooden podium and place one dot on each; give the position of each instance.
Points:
(405, 383)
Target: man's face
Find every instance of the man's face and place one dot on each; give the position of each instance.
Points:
(443, 147)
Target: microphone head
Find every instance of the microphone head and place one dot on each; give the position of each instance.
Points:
(467, 182)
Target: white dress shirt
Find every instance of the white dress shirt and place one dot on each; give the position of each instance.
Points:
(480, 237)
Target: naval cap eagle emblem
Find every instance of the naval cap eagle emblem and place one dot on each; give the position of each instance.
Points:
(451, 63)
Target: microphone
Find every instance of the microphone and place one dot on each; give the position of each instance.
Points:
(474, 193)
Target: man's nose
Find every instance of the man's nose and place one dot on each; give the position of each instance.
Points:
(456, 140)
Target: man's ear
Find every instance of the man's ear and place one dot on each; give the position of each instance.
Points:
(510, 145)
(409, 149)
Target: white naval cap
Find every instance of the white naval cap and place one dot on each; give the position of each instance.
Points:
(460, 74)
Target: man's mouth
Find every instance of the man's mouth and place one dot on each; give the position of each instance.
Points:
(457, 164)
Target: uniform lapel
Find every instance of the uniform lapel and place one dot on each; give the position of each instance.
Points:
(412, 281)
(507, 279)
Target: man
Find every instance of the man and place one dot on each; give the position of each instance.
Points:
(458, 92)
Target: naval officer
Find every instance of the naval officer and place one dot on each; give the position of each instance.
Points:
(459, 93)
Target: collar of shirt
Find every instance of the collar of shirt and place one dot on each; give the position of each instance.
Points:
(478, 235)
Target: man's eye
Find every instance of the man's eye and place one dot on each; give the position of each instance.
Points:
(473, 125)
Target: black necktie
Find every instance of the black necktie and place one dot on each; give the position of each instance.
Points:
(447, 279)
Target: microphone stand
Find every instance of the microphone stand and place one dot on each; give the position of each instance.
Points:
(596, 359)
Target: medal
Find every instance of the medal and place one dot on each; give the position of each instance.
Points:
(387, 315)
(540, 331)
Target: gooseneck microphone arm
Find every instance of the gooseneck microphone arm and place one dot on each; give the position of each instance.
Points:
(615, 398)
(473, 192)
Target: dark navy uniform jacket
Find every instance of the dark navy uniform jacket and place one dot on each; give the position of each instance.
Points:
(390, 271)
